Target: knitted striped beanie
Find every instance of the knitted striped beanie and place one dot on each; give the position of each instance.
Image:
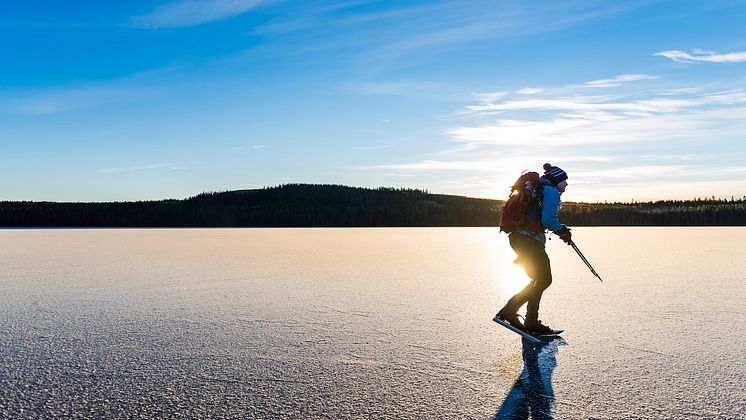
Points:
(554, 173)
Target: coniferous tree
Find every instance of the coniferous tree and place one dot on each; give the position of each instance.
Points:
(302, 205)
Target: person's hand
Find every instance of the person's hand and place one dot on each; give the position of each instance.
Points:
(566, 235)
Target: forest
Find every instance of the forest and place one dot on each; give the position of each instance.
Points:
(306, 205)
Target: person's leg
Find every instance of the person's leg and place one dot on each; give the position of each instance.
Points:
(528, 251)
(517, 243)
(540, 271)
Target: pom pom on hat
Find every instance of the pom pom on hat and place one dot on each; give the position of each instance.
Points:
(554, 173)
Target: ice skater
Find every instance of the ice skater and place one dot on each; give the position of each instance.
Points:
(528, 213)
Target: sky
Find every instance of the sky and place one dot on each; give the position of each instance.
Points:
(155, 99)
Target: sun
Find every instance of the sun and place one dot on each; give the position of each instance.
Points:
(512, 278)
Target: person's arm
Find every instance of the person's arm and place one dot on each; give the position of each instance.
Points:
(549, 211)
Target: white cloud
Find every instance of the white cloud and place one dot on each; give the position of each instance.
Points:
(259, 146)
(632, 141)
(510, 132)
(679, 91)
(645, 171)
(676, 157)
(450, 24)
(705, 56)
(618, 80)
(493, 164)
(530, 90)
(381, 36)
(488, 96)
(193, 12)
(606, 105)
(671, 127)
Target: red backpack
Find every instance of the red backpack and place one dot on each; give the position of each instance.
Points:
(523, 208)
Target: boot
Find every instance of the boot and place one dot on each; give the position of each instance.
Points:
(511, 317)
(537, 328)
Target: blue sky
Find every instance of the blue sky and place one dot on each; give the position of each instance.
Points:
(161, 99)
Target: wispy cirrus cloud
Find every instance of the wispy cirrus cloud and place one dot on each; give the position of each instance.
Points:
(193, 12)
(530, 90)
(703, 56)
(630, 138)
(382, 36)
(683, 157)
(626, 172)
(606, 120)
(618, 80)
(608, 106)
(488, 97)
(448, 24)
(489, 164)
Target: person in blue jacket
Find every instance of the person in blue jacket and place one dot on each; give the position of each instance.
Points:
(528, 245)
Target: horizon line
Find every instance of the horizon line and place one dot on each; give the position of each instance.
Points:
(424, 190)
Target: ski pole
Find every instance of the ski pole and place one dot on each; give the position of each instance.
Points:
(582, 257)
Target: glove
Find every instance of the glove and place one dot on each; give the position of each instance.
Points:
(566, 235)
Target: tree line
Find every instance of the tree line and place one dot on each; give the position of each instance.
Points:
(304, 205)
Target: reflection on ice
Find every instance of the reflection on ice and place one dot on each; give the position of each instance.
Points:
(532, 395)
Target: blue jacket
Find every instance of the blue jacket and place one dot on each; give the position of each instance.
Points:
(549, 208)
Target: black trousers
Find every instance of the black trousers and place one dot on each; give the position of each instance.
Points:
(533, 258)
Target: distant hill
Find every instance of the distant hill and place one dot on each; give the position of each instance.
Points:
(304, 205)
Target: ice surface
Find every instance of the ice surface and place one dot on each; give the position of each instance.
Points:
(350, 323)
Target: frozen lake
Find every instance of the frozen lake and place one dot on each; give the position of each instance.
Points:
(351, 323)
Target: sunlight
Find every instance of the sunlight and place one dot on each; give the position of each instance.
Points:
(512, 277)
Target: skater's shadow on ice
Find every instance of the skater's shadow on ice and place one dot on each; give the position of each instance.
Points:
(531, 395)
